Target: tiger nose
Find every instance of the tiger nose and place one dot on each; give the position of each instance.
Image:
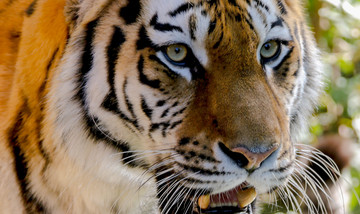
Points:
(247, 159)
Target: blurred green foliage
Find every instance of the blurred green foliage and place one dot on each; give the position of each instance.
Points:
(336, 25)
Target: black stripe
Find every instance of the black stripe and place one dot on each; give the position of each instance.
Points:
(250, 25)
(217, 44)
(170, 73)
(283, 154)
(233, 2)
(51, 61)
(48, 67)
(195, 181)
(144, 40)
(110, 102)
(181, 9)
(238, 18)
(282, 169)
(285, 70)
(131, 11)
(175, 104)
(39, 128)
(298, 68)
(113, 49)
(30, 10)
(212, 26)
(160, 103)
(208, 158)
(16, 138)
(184, 141)
(86, 60)
(165, 113)
(157, 126)
(143, 78)
(286, 57)
(202, 171)
(163, 27)
(175, 124)
(261, 4)
(281, 7)
(100, 134)
(127, 100)
(109, 105)
(179, 112)
(145, 108)
(213, 2)
(278, 22)
(192, 27)
(192, 154)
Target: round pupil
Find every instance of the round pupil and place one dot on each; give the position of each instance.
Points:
(177, 50)
(267, 46)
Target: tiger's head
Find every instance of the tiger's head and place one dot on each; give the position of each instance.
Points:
(205, 97)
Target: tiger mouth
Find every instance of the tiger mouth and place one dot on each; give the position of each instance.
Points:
(237, 200)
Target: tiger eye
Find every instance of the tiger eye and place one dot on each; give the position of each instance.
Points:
(269, 49)
(177, 52)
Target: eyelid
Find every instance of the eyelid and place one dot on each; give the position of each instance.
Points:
(183, 63)
(264, 60)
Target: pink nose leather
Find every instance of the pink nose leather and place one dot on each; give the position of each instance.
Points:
(255, 159)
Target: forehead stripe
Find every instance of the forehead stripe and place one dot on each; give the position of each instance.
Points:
(163, 26)
(282, 7)
(181, 9)
(192, 26)
(261, 4)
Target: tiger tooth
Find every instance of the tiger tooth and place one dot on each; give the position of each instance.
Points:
(204, 201)
(246, 197)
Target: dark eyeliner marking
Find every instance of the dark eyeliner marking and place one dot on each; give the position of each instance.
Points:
(287, 56)
(278, 22)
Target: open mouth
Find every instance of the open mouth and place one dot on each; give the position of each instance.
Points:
(237, 200)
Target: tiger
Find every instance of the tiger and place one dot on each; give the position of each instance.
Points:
(153, 106)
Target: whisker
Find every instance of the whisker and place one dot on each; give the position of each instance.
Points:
(314, 184)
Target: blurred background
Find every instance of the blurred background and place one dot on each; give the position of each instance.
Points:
(336, 27)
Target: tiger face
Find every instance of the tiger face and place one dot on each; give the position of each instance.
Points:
(202, 99)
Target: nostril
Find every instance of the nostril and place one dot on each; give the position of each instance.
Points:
(247, 159)
(238, 158)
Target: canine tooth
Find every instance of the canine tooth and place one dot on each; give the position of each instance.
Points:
(204, 201)
(246, 197)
